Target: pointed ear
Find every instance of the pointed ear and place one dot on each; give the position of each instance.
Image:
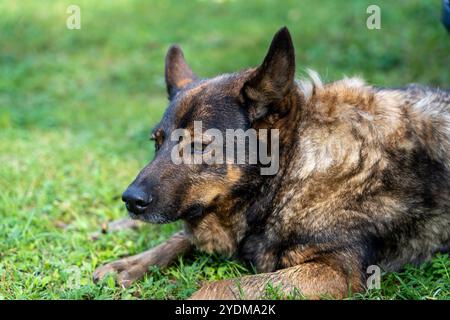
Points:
(274, 78)
(177, 72)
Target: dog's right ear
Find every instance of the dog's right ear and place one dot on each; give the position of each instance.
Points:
(177, 72)
(273, 79)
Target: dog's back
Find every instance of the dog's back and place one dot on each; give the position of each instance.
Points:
(419, 177)
(372, 171)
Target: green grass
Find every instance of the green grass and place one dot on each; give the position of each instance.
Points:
(76, 108)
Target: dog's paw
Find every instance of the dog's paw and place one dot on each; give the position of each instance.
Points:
(114, 267)
(126, 272)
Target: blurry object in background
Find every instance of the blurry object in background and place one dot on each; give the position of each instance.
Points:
(446, 14)
(122, 224)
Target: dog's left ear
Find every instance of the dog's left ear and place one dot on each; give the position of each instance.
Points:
(273, 79)
(177, 72)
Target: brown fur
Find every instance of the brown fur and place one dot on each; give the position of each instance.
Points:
(364, 176)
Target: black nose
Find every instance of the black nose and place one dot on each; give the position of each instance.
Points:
(136, 200)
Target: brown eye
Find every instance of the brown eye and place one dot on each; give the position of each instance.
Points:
(157, 137)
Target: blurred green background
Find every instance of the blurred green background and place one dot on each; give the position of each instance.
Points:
(76, 108)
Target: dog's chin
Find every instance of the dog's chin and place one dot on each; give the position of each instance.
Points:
(152, 218)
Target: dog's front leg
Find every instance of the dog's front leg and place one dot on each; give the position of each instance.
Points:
(133, 268)
(313, 280)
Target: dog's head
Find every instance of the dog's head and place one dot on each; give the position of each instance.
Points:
(166, 190)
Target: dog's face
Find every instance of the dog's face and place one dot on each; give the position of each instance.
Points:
(166, 190)
(182, 190)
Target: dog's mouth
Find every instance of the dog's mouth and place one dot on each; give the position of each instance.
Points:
(192, 212)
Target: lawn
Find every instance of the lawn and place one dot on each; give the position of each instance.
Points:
(77, 106)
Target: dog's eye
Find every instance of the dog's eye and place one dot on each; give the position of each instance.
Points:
(158, 138)
(197, 147)
(157, 145)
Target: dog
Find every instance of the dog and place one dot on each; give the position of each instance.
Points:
(363, 179)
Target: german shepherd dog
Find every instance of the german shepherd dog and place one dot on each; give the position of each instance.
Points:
(363, 179)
